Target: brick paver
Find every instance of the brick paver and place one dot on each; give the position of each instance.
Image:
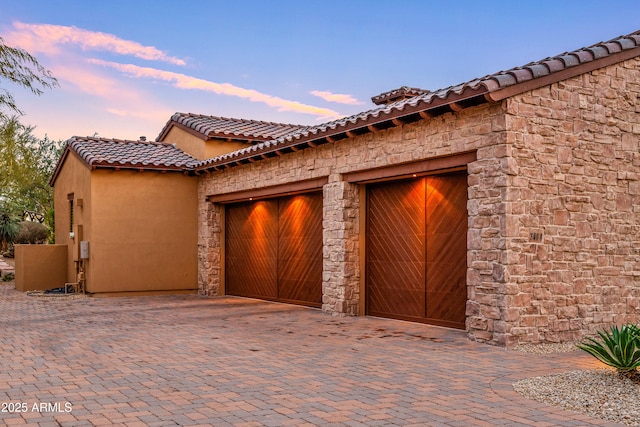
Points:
(192, 361)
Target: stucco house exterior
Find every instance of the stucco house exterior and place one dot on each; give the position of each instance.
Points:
(508, 206)
(133, 204)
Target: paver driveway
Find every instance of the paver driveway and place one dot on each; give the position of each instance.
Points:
(187, 360)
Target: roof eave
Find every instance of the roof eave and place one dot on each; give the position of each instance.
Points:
(565, 74)
(68, 149)
(138, 167)
(384, 120)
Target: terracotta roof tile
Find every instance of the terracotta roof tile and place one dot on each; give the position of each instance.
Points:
(223, 127)
(131, 154)
(413, 100)
(125, 154)
(397, 94)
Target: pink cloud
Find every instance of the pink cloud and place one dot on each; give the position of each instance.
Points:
(157, 116)
(46, 39)
(336, 97)
(118, 98)
(183, 81)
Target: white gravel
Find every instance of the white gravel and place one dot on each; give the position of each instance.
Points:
(547, 348)
(600, 393)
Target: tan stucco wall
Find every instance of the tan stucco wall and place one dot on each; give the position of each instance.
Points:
(73, 178)
(199, 148)
(40, 267)
(144, 232)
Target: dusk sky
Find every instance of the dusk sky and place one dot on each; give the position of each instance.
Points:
(125, 66)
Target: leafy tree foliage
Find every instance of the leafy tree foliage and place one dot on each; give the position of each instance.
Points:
(19, 67)
(26, 164)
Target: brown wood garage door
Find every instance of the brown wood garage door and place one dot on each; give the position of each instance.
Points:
(417, 249)
(274, 249)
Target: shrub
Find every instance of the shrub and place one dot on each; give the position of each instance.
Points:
(31, 233)
(618, 347)
(9, 277)
(8, 227)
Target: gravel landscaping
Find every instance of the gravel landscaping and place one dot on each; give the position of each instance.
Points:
(600, 393)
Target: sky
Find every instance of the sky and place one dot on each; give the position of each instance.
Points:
(124, 66)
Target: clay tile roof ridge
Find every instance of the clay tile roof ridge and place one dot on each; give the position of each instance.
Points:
(243, 128)
(204, 116)
(562, 61)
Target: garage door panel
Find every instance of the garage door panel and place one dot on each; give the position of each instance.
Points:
(274, 249)
(393, 301)
(447, 248)
(416, 249)
(300, 249)
(301, 283)
(397, 208)
(447, 294)
(447, 204)
(397, 276)
(395, 249)
(251, 249)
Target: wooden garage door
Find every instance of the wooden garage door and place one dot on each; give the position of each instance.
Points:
(274, 249)
(417, 249)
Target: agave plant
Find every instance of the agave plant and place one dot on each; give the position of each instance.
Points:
(618, 347)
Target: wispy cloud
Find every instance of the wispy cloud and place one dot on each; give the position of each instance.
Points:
(183, 81)
(65, 50)
(46, 39)
(117, 97)
(339, 98)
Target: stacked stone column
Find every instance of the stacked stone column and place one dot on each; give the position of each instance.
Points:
(341, 249)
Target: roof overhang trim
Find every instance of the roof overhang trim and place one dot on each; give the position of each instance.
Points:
(298, 187)
(412, 169)
(383, 120)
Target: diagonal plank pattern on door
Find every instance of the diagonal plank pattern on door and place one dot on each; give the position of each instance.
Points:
(274, 249)
(416, 249)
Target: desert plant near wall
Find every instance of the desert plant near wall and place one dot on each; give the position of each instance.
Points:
(31, 233)
(9, 227)
(617, 347)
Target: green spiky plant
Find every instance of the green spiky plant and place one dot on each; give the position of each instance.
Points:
(9, 226)
(617, 347)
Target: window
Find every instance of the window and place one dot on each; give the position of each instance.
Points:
(70, 198)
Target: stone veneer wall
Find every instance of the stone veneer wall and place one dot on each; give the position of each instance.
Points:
(341, 251)
(480, 128)
(573, 182)
(553, 246)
